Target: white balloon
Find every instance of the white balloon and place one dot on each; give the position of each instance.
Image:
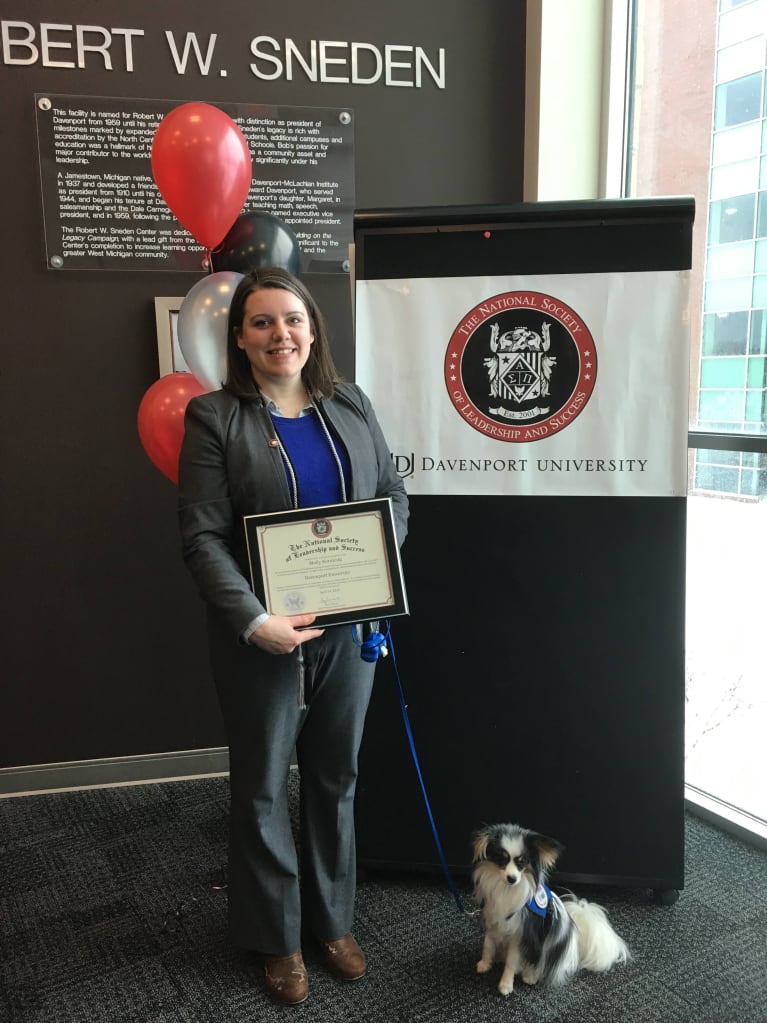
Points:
(202, 325)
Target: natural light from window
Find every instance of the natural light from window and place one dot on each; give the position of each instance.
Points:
(698, 125)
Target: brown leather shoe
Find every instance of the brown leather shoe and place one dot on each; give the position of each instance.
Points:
(286, 978)
(344, 958)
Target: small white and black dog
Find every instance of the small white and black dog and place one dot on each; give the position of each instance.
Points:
(527, 927)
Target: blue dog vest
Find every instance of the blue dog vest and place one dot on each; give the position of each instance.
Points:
(540, 901)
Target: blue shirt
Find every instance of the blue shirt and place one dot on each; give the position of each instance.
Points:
(316, 470)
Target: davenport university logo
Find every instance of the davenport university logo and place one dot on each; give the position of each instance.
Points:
(520, 366)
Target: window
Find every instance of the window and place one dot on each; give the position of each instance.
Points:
(730, 260)
(737, 143)
(738, 101)
(722, 372)
(725, 333)
(732, 220)
(757, 338)
(761, 215)
(728, 293)
(756, 377)
(700, 126)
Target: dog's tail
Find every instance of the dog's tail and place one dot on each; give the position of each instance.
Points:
(599, 947)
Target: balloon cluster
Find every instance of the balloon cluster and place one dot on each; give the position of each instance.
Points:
(202, 167)
(161, 419)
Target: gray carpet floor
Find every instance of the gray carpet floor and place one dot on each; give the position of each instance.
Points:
(113, 908)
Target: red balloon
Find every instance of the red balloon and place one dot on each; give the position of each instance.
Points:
(161, 419)
(202, 166)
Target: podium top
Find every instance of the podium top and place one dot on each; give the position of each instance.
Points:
(579, 236)
(581, 210)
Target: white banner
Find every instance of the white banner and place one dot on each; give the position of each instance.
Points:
(573, 385)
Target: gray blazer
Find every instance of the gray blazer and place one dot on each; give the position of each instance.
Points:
(228, 469)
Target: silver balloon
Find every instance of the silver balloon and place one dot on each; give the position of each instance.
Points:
(202, 323)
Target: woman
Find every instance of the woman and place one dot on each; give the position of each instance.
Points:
(283, 433)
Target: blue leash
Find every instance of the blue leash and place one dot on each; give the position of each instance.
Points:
(409, 732)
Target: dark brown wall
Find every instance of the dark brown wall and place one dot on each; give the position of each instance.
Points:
(101, 634)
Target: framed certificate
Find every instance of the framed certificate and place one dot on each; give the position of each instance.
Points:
(338, 561)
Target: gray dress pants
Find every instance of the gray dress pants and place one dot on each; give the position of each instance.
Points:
(270, 905)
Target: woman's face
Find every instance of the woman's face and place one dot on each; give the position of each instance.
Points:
(276, 335)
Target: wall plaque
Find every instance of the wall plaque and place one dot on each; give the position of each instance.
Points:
(103, 211)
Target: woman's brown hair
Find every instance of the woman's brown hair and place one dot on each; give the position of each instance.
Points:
(319, 374)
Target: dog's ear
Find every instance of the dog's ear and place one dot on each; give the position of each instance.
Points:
(479, 844)
(549, 849)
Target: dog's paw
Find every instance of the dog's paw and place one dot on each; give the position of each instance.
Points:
(529, 975)
(506, 985)
(483, 966)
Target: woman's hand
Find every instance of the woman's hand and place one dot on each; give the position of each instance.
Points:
(280, 634)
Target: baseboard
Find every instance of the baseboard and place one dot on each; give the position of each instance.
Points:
(727, 817)
(137, 770)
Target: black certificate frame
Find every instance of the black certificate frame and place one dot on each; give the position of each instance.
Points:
(316, 520)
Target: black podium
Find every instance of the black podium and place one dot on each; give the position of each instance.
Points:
(563, 711)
